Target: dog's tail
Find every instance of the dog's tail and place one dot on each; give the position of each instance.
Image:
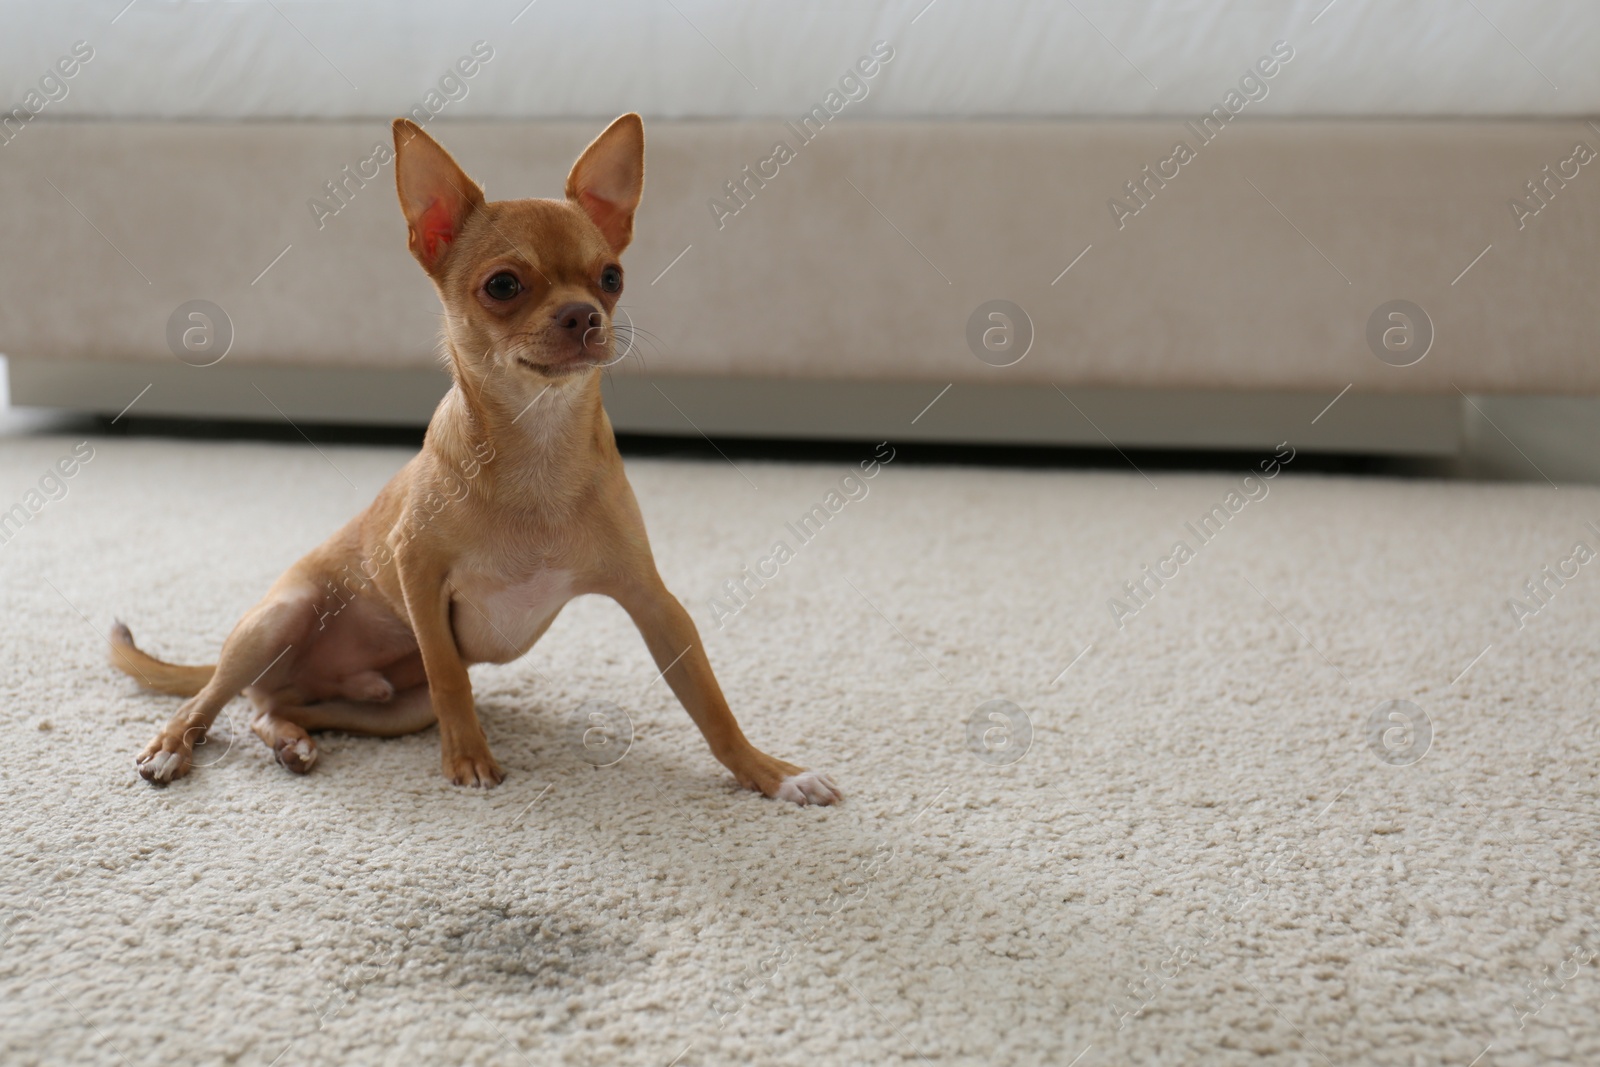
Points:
(151, 672)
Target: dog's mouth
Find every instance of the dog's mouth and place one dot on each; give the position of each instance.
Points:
(557, 370)
(586, 358)
(599, 348)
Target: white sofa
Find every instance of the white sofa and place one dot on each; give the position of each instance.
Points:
(1337, 158)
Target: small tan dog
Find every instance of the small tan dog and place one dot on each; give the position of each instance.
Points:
(516, 504)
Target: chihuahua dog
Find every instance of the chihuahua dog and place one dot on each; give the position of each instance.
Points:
(516, 504)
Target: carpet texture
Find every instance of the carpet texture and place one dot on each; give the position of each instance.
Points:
(1201, 836)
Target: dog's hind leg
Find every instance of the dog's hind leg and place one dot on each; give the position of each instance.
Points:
(267, 640)
(406, 712)
(285, 726)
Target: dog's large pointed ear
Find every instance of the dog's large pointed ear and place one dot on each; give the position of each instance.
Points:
(435, 194)
(608, 179)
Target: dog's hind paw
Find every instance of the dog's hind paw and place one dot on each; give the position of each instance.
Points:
(297, 754)
(809, 787)
(369, 687)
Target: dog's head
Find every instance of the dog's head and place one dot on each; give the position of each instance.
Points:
(529, 286)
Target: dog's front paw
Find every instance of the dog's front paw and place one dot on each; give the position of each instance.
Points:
(164, 759)
(784, 781)
(809, 787)
(478, 770)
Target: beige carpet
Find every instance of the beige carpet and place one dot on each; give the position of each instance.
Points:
(1204, 856)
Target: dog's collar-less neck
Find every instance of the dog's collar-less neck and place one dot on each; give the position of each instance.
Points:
(544, 436)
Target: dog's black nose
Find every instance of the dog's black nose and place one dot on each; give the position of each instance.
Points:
(577, 319)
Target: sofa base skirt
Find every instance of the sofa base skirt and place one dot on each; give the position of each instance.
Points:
(803, 409)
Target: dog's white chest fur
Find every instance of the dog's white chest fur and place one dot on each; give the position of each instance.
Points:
(496, 622)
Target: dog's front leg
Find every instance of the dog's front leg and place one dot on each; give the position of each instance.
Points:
(464, 751)
(674, 643)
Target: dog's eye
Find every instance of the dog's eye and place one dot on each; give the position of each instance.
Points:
(503, 286)
(611, 279)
